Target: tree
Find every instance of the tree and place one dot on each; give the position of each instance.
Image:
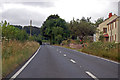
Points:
(82, 28)
(58, 38)
(53, 28)
(17, 26)
(99, 21)
(11, 32)
(34, 30)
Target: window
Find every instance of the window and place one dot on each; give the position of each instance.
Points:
(112, 25)
(110, 38)
(115, 37)
(108, 27)
(105, 30)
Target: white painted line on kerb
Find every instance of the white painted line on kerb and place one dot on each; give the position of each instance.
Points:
(72, 61)
(91, 75)
(20, 70)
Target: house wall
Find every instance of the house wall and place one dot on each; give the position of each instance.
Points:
(112, 31)
(115, 30)
(104, 25)
(119, 29)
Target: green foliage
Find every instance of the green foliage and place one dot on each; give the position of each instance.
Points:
(55, 29)
(99, 21)
(34, 30)
(82, 28)
(37, 38)
(66, 42)
(79, 42)
(10, 32)
(106, 50)
(101, 38)
(58, 39)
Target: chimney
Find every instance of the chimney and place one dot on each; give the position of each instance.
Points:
(110, 15)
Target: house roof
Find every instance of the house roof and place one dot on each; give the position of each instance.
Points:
(113, 20)
(107, 19)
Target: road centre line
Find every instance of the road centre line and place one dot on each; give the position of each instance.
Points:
(72, 61)
(96, 57)
(91, 75)
(20, 70)
(65, 55)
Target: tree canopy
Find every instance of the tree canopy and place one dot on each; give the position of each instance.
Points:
(11, 32)
(99, 21)
(55, 29)
(82, 28)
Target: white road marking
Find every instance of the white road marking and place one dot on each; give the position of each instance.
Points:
(20, 70)
(57, 49)
(72, 61)
(65, 55)
(91, 75)
(60, 51)
(99, 57)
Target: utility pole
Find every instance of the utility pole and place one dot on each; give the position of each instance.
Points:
(30, 27)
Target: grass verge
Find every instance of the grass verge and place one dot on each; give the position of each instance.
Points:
(106, 50)
(15, 53)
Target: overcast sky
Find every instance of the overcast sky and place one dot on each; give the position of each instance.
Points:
(20, 12)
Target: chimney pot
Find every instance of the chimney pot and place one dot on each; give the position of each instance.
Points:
(110, 15)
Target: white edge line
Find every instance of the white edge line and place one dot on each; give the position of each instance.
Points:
(20, 70)
(97, 57)
(100, 58)
(91, 75)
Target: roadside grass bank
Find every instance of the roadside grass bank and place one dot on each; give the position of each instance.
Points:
(106, 50)
(15, 53)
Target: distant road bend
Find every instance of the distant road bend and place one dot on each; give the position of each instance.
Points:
(57, 62)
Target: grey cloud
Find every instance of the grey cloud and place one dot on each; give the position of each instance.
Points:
(119, 8)
(22, 17)
(28, 0)
(40, 4)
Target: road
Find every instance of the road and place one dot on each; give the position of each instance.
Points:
(58, 62)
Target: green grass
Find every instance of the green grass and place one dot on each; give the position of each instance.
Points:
(14, 53)
(106, 50)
